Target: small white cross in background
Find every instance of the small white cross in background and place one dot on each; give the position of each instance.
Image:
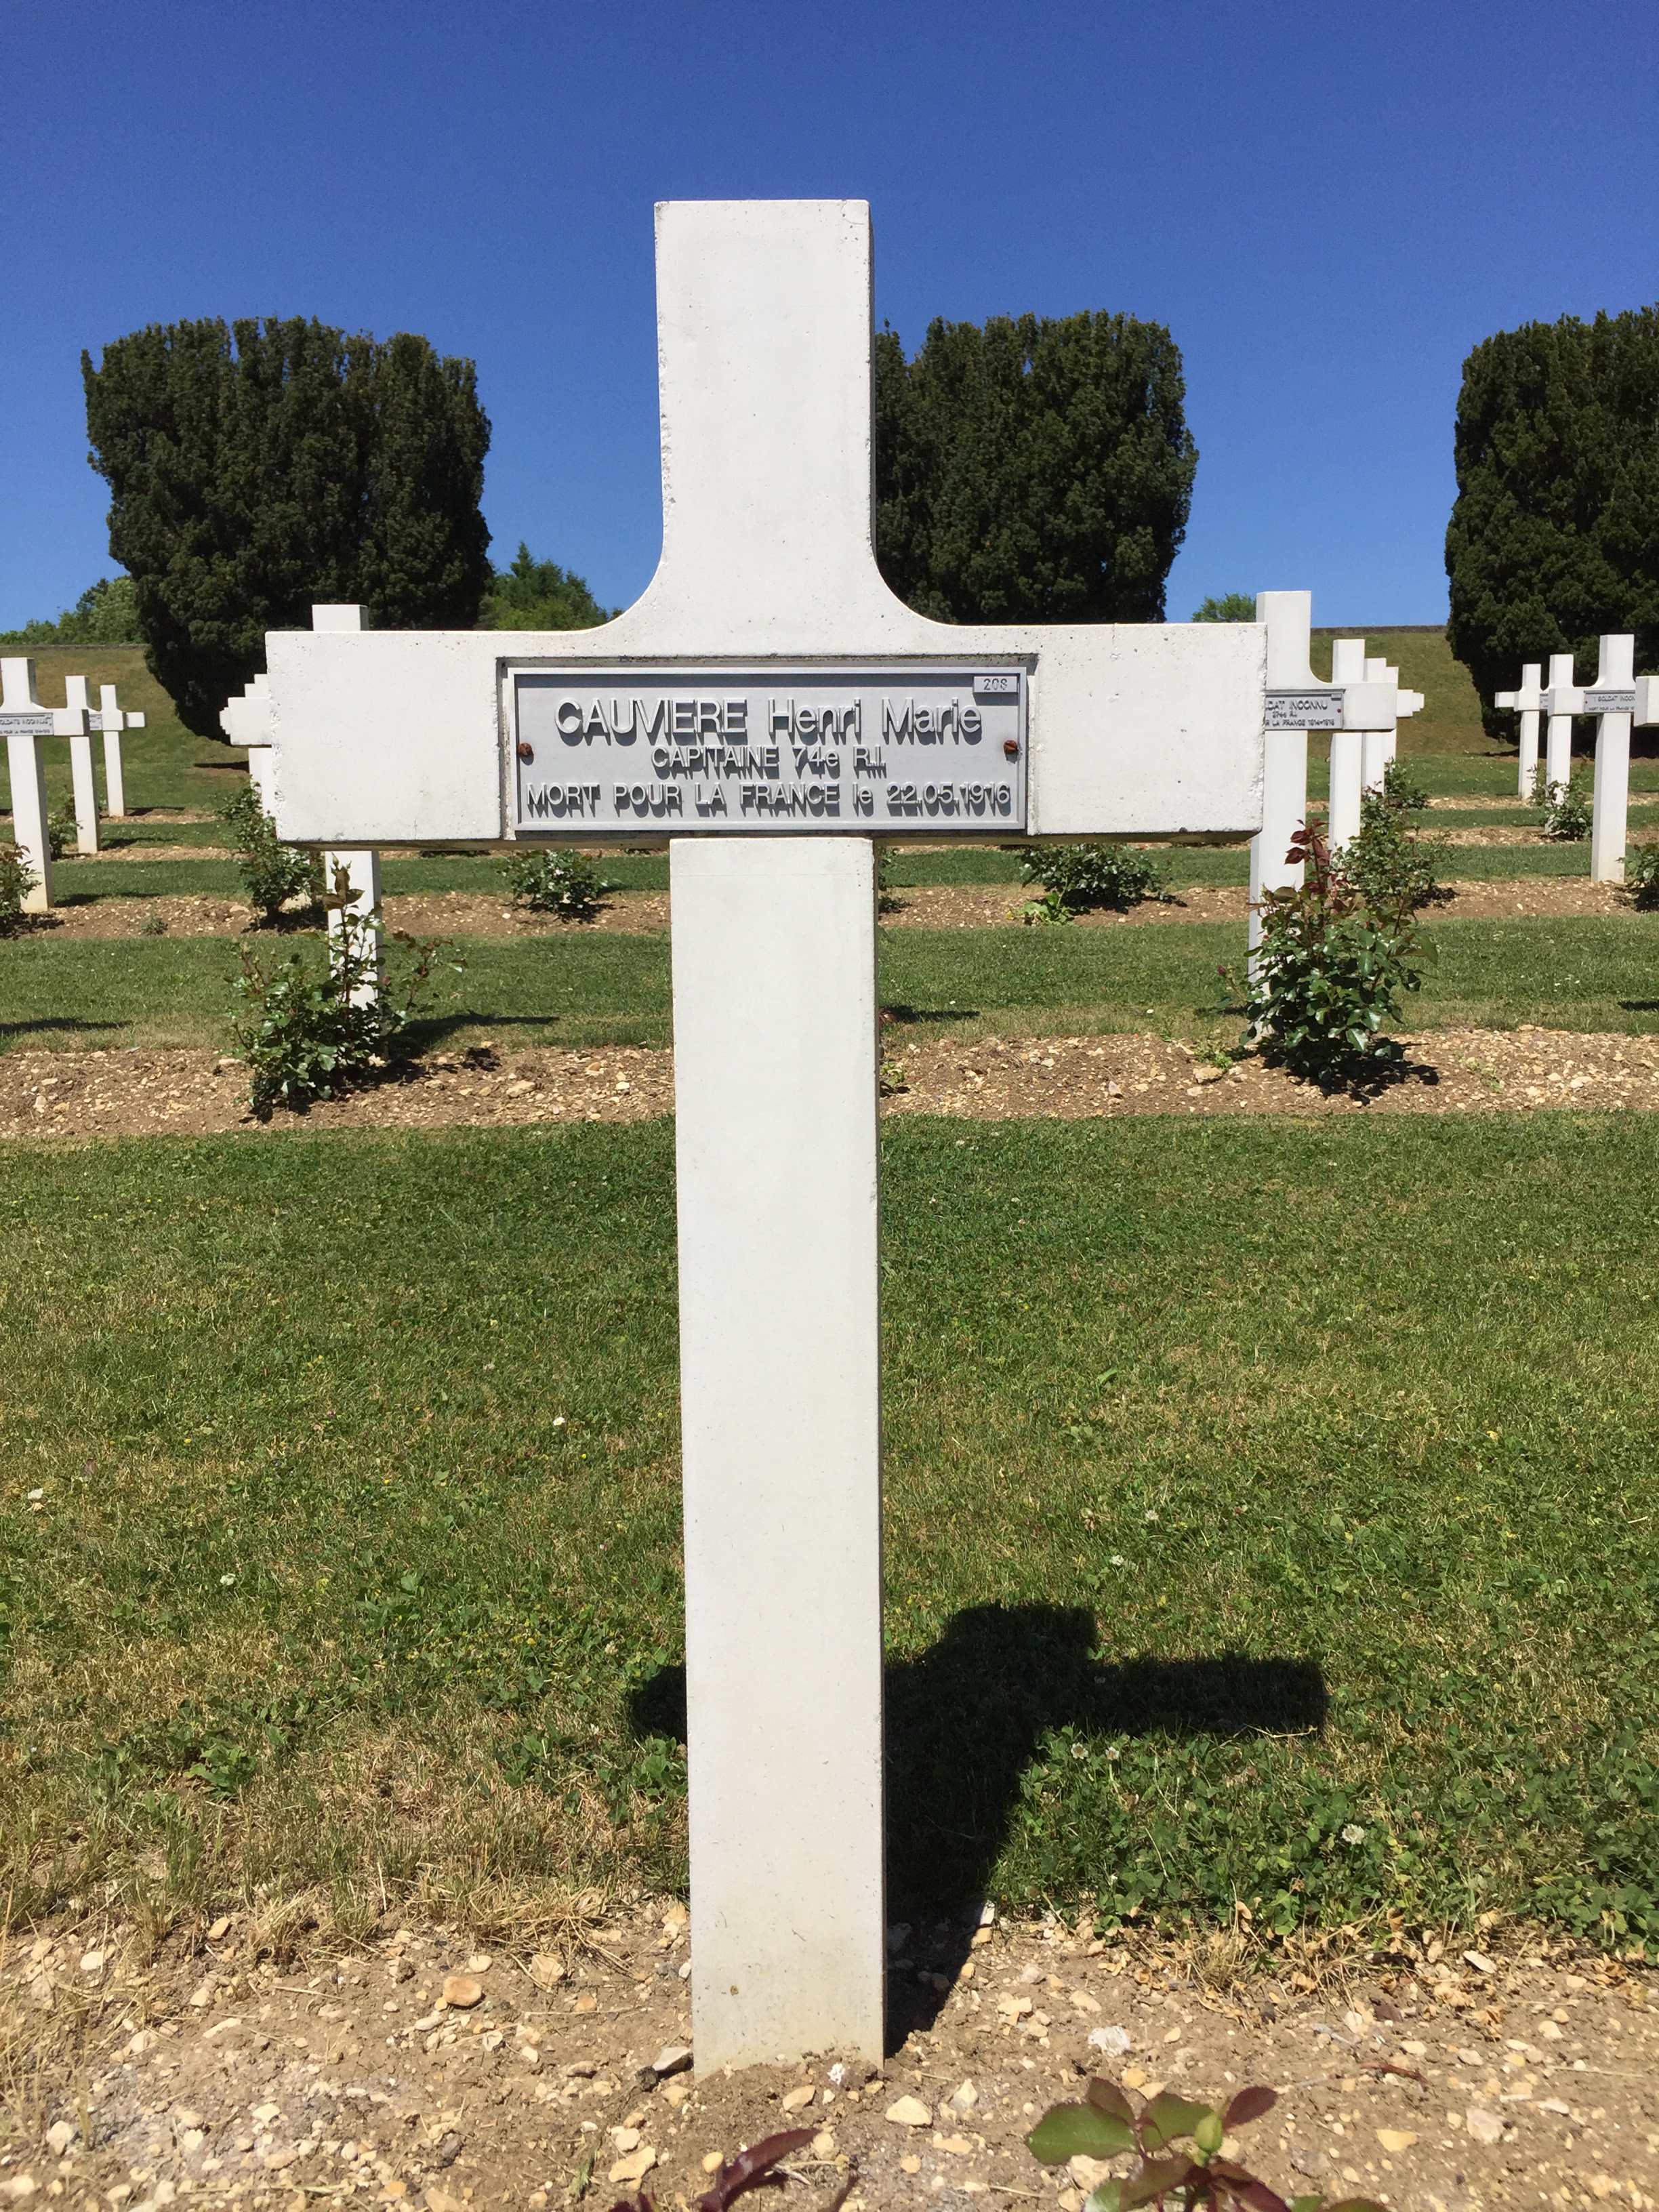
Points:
(1359, 706)
(25, 721)
(1616, 699)
(1556, 699)
(770, 707)
(1379, 747)
(1526, 701)
(355, 868)
(245, 721)
(110, 719)
(81, 779)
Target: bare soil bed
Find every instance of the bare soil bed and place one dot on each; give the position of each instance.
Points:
(229, 2069)
(984, 906)
(433, 914)
(76, 1096)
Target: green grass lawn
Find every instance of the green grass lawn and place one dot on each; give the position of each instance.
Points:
(1269, 1516)
(1593, 972)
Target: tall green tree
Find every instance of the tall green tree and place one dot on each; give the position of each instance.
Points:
(1554, 534)
(106, 613)
(539, 595)
(1033, 471)
(256, 469)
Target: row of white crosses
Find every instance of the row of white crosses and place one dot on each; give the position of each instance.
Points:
(246, 721)
(1618, 698)
(25, 723)
(1362, 707)
(771, 707)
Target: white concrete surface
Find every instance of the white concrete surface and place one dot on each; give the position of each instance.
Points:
(26, 722)
(1525, 701)
(1287, 619)
(1348, 748)
(356, 917)
(776, 1140)
(81, 779)
(1610, 803)
(246, 721)
(1561, 699)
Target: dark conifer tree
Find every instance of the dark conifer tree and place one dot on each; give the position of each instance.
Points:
(1033, 471)
(1554, 535)
(256, 469)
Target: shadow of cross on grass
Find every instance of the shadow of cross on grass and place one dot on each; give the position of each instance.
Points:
(966, 1718)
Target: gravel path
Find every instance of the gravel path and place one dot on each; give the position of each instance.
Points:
(1432, 2075)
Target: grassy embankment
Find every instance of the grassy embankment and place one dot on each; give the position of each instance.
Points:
(1269, 1517)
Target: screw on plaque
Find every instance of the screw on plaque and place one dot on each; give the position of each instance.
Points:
(526, 752)
(1010, 746)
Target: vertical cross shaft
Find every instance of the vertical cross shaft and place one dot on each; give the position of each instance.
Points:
(765, 337)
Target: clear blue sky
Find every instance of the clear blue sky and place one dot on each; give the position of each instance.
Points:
(1328, 205)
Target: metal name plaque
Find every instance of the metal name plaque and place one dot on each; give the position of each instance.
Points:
(26, 725)
(771, 749)
(1610, 702)
(1303, 710)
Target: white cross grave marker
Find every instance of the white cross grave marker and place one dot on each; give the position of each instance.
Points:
(1380, 747)
(80, 775)
(245, 721)
(111, 721)
(1616, 700)
(1526, 701)
(25, 722)
(1558, 732)
(770, 706)
(1354, 702)
(363, 868)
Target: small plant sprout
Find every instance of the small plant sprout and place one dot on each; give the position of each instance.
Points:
(561, 882)
(1151, 2139)
(17, 880)
(1567, 814)
(1331, 964)
(1078, 879)
(319, 1025)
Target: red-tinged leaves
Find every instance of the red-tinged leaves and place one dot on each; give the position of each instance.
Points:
(1249, 2105)
(750, 2166)
(1157, 2178)
(1257, 2194)
(1166, 2116)
(1070, 2130)
(1107, 2097)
